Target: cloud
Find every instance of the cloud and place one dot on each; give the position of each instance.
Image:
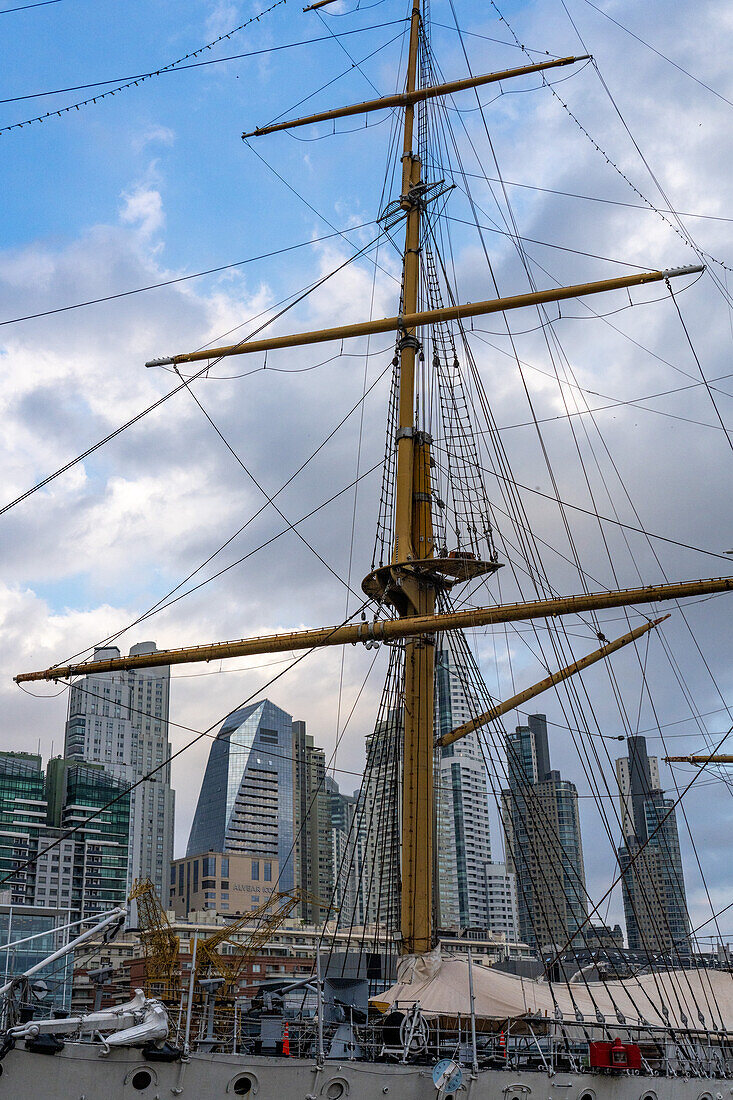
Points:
(222, 18)
(143, 207)
(161, 135)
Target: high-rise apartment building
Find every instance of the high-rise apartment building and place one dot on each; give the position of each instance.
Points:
(380, 820)
(543, 843)
(655, 904)
(23, 812)
(247, 798)
(346, 853)
(464, 845)
(312, 824)
(461, 804)
(120, 720)
(501, 901)
(59, 850)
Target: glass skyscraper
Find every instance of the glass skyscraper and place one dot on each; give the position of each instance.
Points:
(60, 848)
(22, 816)
(544, 849)
(246, 803)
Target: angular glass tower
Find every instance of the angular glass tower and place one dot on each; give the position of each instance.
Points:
(246, 803)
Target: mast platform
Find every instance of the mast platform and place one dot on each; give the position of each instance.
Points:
(385, 584)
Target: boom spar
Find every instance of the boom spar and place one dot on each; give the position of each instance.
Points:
(389, 630)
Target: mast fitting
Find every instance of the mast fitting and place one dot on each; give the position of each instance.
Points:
(408, 341)
(689, 269)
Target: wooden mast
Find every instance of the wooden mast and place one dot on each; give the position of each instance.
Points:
(413, 540)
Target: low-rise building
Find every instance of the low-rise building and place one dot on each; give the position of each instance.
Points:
(230, 884)
(28, 935)
(289, 953)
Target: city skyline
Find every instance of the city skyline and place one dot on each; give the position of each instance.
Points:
(123, 722)
(114, 207)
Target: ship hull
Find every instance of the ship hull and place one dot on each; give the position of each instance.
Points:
(79, 1073)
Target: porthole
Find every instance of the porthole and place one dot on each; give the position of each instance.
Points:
(587, 1095)
(244, 1084)
(141, 1079)
(648, 1096)
(336, 1089)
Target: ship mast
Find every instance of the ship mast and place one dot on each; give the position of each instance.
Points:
(413, 540)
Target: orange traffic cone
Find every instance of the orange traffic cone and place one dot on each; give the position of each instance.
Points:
(286, 1040)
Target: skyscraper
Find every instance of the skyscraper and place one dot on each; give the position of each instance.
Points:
(55, 855)
(380, 818)
(655, 905)
(120, 720)
(98, 844)
(464, 845)
(462, 808)
(347, 853)
(246, 803)
(543, 844)
(312, 824)
(23, 812)
(501, 900)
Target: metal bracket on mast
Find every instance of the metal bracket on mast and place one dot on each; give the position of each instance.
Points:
(408, 341)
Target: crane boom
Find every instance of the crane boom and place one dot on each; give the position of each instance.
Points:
(159, 942)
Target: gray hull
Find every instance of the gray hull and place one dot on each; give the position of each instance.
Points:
(79, 1073)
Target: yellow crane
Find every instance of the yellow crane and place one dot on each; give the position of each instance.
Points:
(210, 962)
(159, 942)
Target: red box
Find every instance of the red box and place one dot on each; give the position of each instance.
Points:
(616, 1056)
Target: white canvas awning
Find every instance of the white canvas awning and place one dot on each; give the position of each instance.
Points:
(441, 986)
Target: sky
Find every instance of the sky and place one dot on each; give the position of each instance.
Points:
(625, 162)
